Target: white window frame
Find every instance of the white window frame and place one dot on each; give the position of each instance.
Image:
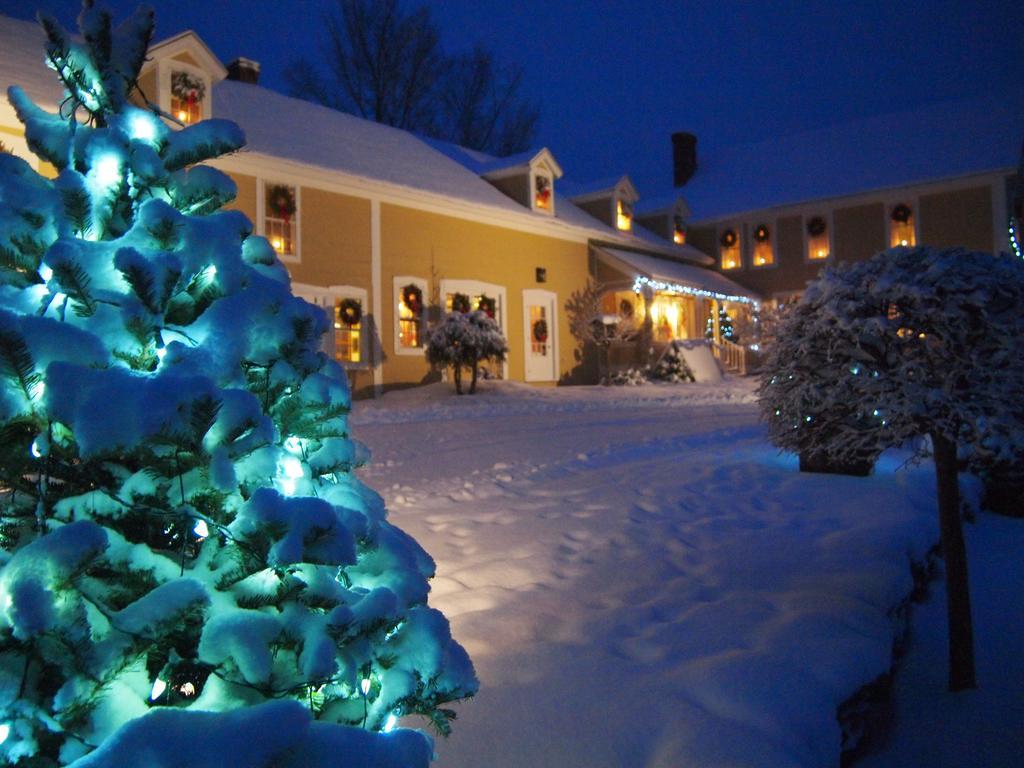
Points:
(474, 287)
(804, 220)
(326, 298)
(261, 215)
(773, 228)
(397, 284)
(915, 212)
(164, 69)
(534, 173)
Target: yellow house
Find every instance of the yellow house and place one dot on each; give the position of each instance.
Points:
(384, 229)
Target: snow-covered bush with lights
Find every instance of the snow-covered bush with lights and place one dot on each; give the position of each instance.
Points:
(913, 343)
(181, 530)
(672, 367)
(465, 340)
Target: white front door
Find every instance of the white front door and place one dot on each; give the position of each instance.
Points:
(539, 328)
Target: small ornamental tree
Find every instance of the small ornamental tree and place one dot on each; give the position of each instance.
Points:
(466, 340)
(594, 329)
(911, 343)
(725, 326)
(181, 525)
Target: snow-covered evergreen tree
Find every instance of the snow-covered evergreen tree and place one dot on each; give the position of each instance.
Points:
(912, 343)
(180, 522)
(466, 340)
(672, 367)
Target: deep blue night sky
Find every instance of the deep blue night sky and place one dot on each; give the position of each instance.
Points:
(616, 78)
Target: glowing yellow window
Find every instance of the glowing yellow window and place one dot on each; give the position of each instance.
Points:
(678, 230)
(348, 322)
(410, 315)
(623, 215)
(542, 193)
(187, 94)
(901, 229)
(817, 238)
(763, 254)
(729, 253)
(279, 218)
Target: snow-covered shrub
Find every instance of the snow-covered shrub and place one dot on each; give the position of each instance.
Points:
(630, 377)
(913, 342)
(672, 367)
(465, 340)
(180, 522)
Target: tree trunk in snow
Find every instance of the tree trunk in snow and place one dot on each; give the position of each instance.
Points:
(958, 597)
(458, 378)
(472, 383)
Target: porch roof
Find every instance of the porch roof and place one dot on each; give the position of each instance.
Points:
(664, 274)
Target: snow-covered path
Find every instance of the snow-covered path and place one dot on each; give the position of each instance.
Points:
(640, 579)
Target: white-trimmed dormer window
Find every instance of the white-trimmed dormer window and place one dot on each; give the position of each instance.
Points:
(279, 218)
(678, 230)
(623, 215)
(188, 95)
(543, 193)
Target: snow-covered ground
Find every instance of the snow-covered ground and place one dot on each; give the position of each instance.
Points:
(639, 577)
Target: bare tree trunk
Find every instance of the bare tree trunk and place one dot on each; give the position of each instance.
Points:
(958, 596)
(458, 378)
(472, 383)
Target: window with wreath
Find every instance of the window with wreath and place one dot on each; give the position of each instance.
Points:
(764, 253)
(188, 91)
(818, 247)
(623, 215)
(901, 226)
(464, 302)
(348, 324)
(279, 212)
(729, 249)
(410, 316)
(542, 192)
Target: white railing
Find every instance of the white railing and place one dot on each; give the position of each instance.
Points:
(732, 356)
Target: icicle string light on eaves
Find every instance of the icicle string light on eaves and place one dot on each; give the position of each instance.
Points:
(658, 285)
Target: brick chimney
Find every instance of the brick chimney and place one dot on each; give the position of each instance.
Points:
(244, 70)
(684, 157)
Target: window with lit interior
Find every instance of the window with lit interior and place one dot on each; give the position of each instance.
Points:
(764, 254)
(901, 226)
(188, 91)
(623, 215)
(464, 302)
(678, 230)
(542, 193)
(729, 250)
(409, 314)
(279, 217)
(818, 247)
(348, 324)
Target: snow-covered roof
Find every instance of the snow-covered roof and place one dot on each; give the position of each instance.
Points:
(707, 281)
(592, 189)
(282, 127)
(522, 162)
(928, 143)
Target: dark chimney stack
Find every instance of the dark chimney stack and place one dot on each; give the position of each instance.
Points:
(684, 157)
(244, 70)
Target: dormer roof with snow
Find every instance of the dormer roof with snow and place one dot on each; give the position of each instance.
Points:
(608, 200)
(179, 76)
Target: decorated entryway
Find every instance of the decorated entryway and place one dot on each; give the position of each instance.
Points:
(539, 325)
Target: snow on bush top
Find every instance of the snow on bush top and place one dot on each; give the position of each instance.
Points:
(180, 522)
(911, 342)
